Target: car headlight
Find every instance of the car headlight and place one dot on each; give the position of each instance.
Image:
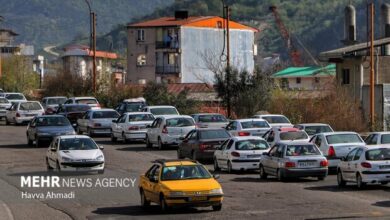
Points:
(216, 191)
(66, 159)
(176, 193)
(100, 157)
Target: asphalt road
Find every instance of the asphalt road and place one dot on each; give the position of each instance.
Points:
(246, 197)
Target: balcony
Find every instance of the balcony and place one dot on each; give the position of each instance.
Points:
(167, 69)
(174, 45)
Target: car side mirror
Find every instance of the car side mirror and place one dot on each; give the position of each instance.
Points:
(216, 176)
(54, 149)
(265, 153)
(101, 147)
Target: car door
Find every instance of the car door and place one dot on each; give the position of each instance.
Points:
(122, 125)
(192, 143)
(155, 131)
(218, 151)
(154, 185)
(146, 183)
(226, 153)
(52, 155)
(12, 112)
(266, 159)
(81, 122)
(347, 166)
(32, 130)
(354, 164)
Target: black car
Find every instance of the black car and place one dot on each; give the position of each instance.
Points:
(73, 112)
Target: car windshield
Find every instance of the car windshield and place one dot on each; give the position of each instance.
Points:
(180, 122)
(134, 107)
(77, 108)
(56, 101)
(184, 172)
(302, 150)
(3, 100)
(141, 117)
(276, 119)
(312, 130)
(105, 114)
(86, 101)
(15, 96)
(251, 145)
(212, 118)
(214, 134)
(378, 154)
(30, 106)
(77, 144)
(254, 124)
(293, 135)
(52, 121)
(343, 138)
(385, 139)
(163, 111)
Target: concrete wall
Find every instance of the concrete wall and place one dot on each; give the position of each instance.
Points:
(202, 46)
(135, 48)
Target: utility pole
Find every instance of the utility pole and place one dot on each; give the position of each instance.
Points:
(228, 69)
(1, 72)
(372, 80)
(94, 51)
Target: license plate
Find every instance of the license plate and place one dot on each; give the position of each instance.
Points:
(307, 164)
(198, 198)
(384, 167)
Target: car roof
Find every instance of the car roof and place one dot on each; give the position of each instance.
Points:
(54, 97)
(207, 114)
(270, 115)
(75, 105)
(250, 119)
(286, 129)
(175, 162)
(371, 147)
(26, 101)
(50, 116)
(83, 97)
(7, 93)
(294, 142)
(241, 138)
(103, 110)
(173, 116)
(313, 124)
(137, 113)
(73, 136)
(161, 106)
(210, 129)
(339, 132)
(379, 132)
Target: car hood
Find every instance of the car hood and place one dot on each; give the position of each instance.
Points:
(81, 154)
(55, 129)
(191, 184)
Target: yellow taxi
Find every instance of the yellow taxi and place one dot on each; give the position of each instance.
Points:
(176, 183)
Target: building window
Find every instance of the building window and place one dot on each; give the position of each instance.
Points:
(298, 80)
(171, 58)
(140, 35)
(345, 75)
(141, 60)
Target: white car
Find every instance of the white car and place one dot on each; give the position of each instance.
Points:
(131, 126)
(169, 130)
(335, 145)
(375, 138)
(240, 153)
(210, 120)
(51, 104)
(22, 112)
(97, 121)
(246, 127)
(91, 101)
(365, 165)
(275, 121)
(158, 110)
(4, 105)
(314, 128)
(14, 97)
(75, 153)
(275, 135)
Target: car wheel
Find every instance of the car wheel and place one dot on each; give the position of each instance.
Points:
(279, 175)
(36, 142)
(144, 201)
(217, 207)
(229, 167)
(148, 144)
(29, 141)
(160, 144)
(216, 166)
(263, 174)
(113, 138)
(49, 168)
(179, 155)
(100, 171)
(359, 181)
(163, 205)
(6, 121)
(124, 140)
(340, 180)
(58, 167)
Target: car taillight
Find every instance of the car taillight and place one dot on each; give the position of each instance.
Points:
(324, 163)
(164, 130)
(203, 147)
(17, 114)
(97, 124)
(241, 133)
(365, 165)
(235, 154)
(289, 164)
(133, 128)
(331, 152)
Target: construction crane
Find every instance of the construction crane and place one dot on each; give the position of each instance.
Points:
(294, 54)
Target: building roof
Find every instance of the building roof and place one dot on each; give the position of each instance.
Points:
(293, 72)
(195, 21)
(11, 32)
(81, 50)
(343, 51)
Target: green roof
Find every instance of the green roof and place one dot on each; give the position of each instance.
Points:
(311, 71)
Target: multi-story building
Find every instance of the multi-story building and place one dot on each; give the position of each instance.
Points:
(184, 49)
